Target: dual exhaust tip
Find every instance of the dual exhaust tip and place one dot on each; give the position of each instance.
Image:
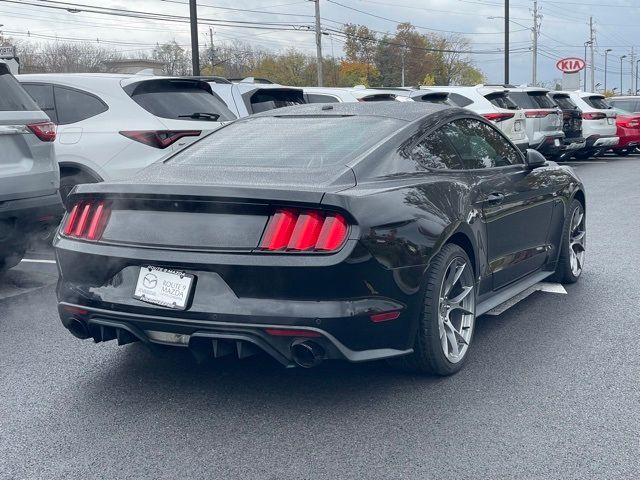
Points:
(305, 353)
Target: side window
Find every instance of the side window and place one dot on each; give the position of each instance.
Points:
(480, 145)
(43, 96)
(73, 105)
(459, 100)
(436, 152)
(319, 98)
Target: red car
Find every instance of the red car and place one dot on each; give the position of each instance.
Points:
(628, 130)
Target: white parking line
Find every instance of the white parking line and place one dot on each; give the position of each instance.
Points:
(36, 260)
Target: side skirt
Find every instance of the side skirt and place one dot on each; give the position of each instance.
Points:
(509, 292)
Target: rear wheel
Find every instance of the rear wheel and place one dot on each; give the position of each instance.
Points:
(447, 322)
(583, 154)
(10, 259)
(573, 248)
(71, 178)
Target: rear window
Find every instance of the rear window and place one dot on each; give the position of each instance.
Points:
(320, 98)
(500, 100)
(270, 99)
(289, 141)
(439, 98)
(564, 102)
(379, 97)
(13, 98)
(628, 105)
(532, 100)
(179, 100)
(597, 102)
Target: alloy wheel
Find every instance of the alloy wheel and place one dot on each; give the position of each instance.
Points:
(577, 237)
(456, 310)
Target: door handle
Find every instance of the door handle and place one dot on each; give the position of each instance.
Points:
(495, 198)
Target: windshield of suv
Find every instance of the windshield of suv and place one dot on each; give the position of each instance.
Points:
(179, 99)
(597, 102)
(501, 100)
(289, 141)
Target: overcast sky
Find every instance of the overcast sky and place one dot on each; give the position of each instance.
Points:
(563, 33)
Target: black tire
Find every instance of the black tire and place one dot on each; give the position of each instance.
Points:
(623, 152)
(10, 260)
(583, 154)
(428, 355)
(70, 179)
(564, 272)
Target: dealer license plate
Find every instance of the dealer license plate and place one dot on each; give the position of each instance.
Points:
(163, 286)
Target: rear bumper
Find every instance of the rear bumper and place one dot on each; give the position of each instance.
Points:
(628, 138)
(573, 143)
(213, 338)
(20, 217)
(550, 145)
(598, 141)
(236, 297)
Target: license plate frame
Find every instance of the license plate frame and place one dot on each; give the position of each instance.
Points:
(610, 121)
(152, 287)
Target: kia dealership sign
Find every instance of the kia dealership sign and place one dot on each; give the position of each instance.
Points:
(570, 65)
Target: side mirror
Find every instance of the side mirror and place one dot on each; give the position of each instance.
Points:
(533, 159)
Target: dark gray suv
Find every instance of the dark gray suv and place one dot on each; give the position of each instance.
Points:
(29, 175)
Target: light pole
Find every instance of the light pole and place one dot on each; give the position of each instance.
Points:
(621, 59)
(586, 44)
(637, 61)
(195, 51)
(606, 52)
(506, 42)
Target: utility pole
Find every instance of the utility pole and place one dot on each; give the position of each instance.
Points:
(506, 42)
(536, 32)
(318, 42)
(632, 61)
(592, 63)
(195, 53)
(621, 59)
(584, 84)
(212, 52)
(606, 52)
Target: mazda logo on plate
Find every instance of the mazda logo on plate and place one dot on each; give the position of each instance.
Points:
(150, 280)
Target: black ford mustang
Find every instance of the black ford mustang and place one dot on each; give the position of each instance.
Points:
(342, 231)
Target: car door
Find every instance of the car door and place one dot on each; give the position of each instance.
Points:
(516, 204)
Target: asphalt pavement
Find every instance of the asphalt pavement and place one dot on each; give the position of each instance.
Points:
(551, 389)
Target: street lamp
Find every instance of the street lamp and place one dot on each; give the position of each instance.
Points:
(605, 67)
(621, 59)
(586, 44)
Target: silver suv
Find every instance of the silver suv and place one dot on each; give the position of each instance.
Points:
(544, 119)
(29, 175)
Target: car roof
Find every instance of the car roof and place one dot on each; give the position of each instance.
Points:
(406, 111)
(529, 89)
(625, 97)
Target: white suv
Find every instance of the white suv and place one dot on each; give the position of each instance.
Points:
(492, 102)
(355, 94)
(598, 123)
(111, 126)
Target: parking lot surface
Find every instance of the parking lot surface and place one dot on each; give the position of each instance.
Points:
(550, 389)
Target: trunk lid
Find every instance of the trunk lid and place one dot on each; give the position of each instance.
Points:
(205, 209)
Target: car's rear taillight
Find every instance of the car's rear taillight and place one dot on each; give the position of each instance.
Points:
(45, 131)
(633, 123)
(86, 220)
(498, 117)
(594, 116)
(304, 231)
(538, 113)
(159, 138)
